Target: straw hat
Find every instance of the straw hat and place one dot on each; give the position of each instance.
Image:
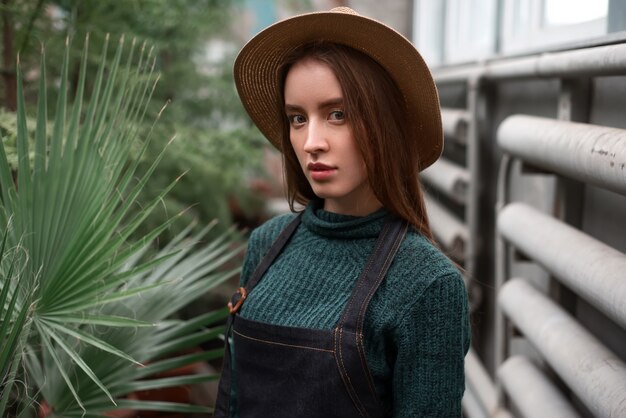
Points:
(257, 77)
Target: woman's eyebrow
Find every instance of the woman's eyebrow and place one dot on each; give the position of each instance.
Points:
(292, 108)
(331, 102)
(323, 105)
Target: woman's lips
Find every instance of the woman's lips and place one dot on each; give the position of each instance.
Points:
(321, 172)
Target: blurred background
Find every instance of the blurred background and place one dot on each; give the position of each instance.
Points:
(529, 196)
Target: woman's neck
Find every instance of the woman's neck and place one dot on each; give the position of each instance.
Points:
(334, 225)
(352, 207)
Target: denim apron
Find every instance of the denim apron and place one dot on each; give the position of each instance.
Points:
(285, 371)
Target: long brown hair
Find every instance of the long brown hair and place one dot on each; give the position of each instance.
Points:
(376, 112)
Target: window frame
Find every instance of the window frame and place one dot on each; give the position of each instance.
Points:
(534, 36)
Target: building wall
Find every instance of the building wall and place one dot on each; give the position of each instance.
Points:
(395, 13)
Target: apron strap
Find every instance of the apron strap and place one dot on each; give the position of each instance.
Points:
(348, 335)
(371, 277)
(279, 243)
(225, 404)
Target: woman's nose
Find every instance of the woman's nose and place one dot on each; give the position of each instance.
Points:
(316, 140)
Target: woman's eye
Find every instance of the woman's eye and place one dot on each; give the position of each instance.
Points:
(336, 115)
(297, 119)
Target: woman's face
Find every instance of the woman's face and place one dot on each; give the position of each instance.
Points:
(322, 139)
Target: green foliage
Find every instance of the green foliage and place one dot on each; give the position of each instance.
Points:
(16, 296)
(8, 132)
(216, 165)
(216, 146)
(83, 309)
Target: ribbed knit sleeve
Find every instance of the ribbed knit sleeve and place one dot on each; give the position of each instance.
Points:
(432, 339)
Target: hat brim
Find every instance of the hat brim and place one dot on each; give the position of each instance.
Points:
(256, 72)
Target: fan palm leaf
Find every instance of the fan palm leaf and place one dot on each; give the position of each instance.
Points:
(85, 315)
(15, 299)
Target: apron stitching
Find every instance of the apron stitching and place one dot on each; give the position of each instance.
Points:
(388, 259)
(346, 377)
(361, 348)
(283, 344)
(352, 308)
(360, 344)
(359, 284)
(370, 380)
(369, 296)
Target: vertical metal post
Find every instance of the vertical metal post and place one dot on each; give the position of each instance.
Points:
(473, 166)
(502, 272)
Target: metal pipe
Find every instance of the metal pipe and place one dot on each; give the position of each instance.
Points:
(448, 230)
(588, 62)
(474, 195)
(455, 122)
(532, 393)
(471, 406)
(593, 372)
(589, 267)
(501, 269)
(449, 178)
(473, 409)
(479, 383)
(589, 153)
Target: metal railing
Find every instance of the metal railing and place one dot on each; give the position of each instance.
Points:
(531, 392)
(574, 153)
(592, 269)
(453, 181)
(588, 368)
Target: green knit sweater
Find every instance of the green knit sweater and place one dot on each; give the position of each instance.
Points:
(416, 327)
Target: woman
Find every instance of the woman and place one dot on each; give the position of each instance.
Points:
(346, 309)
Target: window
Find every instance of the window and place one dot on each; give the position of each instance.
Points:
(565, 12)
(454, 31)
(531, 25)
(458, 31)
(470, 30)
(428, 28)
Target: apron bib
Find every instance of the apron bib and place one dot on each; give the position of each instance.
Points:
(307, 373)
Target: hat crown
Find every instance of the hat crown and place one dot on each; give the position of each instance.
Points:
(343, 9)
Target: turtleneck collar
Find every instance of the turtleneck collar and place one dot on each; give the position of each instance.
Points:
(335, 225)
